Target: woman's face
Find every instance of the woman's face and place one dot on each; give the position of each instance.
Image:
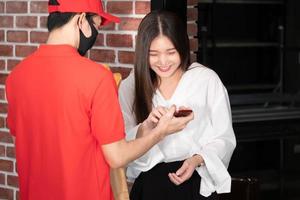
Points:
(164, 59)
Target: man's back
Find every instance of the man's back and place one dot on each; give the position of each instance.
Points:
(62, 107)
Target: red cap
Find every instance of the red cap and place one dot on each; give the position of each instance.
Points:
(78, 6)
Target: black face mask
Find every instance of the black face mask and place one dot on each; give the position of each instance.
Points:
(85, 43)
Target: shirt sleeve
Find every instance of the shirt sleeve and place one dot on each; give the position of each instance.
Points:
(106, 117)
(219, 142)
(126, 98)
(154, 155)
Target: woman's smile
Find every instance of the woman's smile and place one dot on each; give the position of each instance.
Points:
(164, 68)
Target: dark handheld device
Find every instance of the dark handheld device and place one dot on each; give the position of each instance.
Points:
(182, 113)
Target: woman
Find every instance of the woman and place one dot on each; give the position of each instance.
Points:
(191, 164)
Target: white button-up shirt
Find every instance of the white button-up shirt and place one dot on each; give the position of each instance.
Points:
(209, 134)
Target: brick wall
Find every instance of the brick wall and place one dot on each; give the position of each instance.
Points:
(23, 28)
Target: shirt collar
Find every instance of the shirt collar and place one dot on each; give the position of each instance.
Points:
(57, 50)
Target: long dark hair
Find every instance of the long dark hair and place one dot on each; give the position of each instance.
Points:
(155, 23)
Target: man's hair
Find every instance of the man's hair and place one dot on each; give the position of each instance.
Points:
(58, 19)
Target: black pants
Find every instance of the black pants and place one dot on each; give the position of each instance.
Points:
(156, 185)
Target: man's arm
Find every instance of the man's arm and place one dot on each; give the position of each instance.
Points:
(120, 153)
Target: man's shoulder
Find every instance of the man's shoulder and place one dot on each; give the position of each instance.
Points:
(80, 63)
(19, 66)
(87, 66)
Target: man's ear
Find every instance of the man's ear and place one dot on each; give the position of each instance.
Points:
(80, 19)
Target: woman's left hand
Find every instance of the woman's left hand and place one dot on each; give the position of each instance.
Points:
(186, 170)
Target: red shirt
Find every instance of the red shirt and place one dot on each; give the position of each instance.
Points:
(62, 107)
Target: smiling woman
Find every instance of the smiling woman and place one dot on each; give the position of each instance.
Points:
(164, 59)
(163, 77)
(162, 42)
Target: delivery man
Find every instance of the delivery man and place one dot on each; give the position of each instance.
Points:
(64, 113)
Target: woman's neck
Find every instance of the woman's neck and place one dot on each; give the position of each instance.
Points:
(168, 85)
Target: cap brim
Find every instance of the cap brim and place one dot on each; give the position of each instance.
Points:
(108, 18)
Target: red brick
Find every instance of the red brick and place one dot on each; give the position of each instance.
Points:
(2, 122)
(119, 40)
(2, 94)
(3, 79)
(26, 21)
(193, 57)
(99, 40)
(5, 137)
(17, 36)
(11, 64)
(1, 7)
(10, 152)
(119, 7)
(6, 21)
(12, 181)
(2, 178)
(126, 57)
(16, 7)
(23, 51)
(101, 55)
(43, 22)
(3, 107)
(129, 23)
(194, 44)
(142, 7)
(2, 150)
(124, 71)
(6, 193)
(108, 27)
(2, 64)
(1, 35)
(38, 37)
(17, 195)
(39, 7)
(192, 29)
(6, 50)
(192, 2)
(6, 165)
(192, 14)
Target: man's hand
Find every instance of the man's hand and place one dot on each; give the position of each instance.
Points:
(169, 124)
(151, 120)
(162, 119)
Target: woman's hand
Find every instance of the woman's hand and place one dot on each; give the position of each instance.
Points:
(186, 170)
